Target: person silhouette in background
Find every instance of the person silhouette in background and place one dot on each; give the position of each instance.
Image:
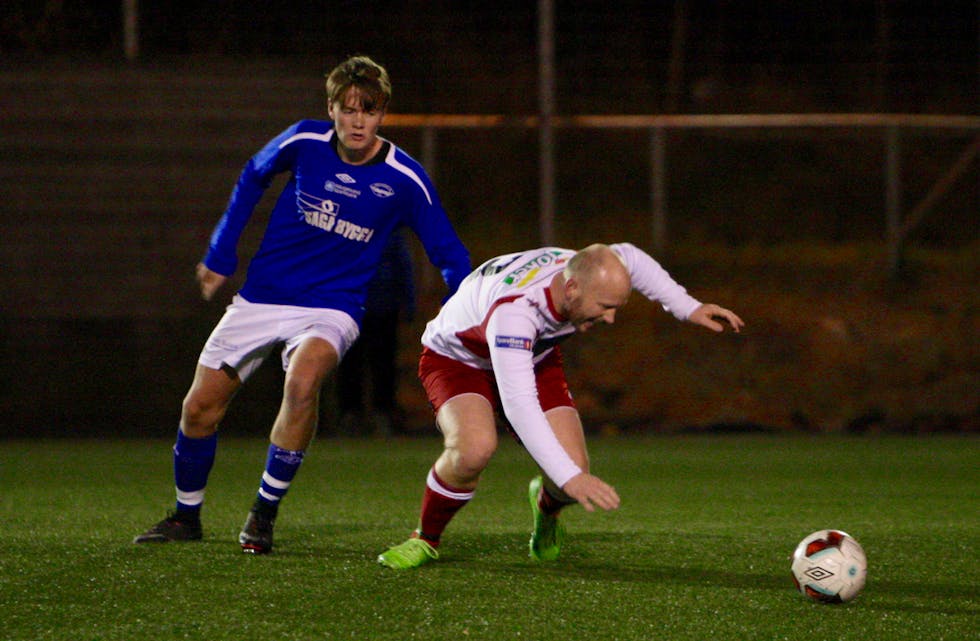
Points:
(373, 358)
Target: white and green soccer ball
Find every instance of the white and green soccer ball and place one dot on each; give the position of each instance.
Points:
(830, 566)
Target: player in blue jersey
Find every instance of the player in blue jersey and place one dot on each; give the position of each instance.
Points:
(306, 285)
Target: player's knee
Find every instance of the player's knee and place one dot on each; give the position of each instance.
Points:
(199, 419)
(299, 389)
(470, 460)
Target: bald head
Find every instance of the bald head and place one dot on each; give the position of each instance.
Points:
(596, 284)
(598, 266)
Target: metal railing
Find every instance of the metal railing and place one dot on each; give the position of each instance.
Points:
(898, 223)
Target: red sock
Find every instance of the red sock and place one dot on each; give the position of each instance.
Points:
(439, 505)
(549, 504)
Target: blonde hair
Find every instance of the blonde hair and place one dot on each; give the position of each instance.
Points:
(370, 79)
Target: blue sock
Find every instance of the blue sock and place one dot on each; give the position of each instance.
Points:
(193, 458)
(280, 468)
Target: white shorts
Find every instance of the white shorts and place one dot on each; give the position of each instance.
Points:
(248, 332)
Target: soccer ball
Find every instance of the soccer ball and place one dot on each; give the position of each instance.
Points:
(829, 566)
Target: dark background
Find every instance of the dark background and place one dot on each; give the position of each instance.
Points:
(113, 172)
(903, 56)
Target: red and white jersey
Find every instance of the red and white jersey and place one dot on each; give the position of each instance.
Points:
(502, 318)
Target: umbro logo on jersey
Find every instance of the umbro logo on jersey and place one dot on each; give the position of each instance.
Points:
(346, 178)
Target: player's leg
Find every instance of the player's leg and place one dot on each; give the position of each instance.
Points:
(295, 425)
(567, 425)
(203, 409)
(463, 398)
(469, 430)
(469, 433)
(470, 439)
(318, 339)
(207, 400)
(546, 498)
(309, 365)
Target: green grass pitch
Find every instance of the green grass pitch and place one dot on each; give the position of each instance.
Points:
(699, 549)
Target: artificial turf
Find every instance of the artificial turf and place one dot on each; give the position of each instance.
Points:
(698, 550)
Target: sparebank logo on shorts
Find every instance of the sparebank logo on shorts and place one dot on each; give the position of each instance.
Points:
(382, 190)
(514, 342)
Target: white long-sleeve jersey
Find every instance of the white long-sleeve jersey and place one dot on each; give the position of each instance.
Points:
(502, 319)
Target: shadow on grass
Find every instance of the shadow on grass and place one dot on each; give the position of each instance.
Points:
(619, 557)
(572, 567)
(500, 553)
(497, 553)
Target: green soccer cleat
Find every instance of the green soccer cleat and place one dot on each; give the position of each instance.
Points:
(548, 534)
(410, 554)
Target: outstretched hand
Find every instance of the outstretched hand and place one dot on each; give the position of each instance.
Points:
(591, 492)
(209, 281)
(707, 315)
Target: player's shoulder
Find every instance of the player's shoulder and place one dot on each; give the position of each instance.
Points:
(400, 160)
(513, 267)
(311, 125)
(306, 130)
(405, 173)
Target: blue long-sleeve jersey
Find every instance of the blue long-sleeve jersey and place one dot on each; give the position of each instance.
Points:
(330, 224)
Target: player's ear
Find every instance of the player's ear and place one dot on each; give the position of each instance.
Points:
(572, 288)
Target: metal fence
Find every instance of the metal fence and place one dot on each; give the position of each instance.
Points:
(900, 219)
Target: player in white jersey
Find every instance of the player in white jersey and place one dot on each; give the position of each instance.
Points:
(495, 345)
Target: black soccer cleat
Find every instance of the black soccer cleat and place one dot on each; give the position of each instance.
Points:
(256, 534)
(176, 527)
